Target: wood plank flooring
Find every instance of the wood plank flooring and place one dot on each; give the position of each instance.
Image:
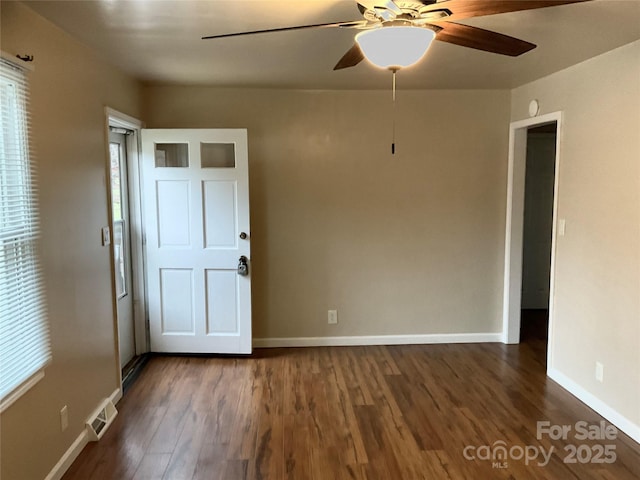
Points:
(388, 413)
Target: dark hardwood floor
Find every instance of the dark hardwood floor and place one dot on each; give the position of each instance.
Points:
(389, 413)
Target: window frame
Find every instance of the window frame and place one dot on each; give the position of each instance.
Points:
(19, 231)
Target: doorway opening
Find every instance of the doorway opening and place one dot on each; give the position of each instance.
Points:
(537, 231)
(532, 199)
(127, 244)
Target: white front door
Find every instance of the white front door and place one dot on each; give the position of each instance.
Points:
(196, 201)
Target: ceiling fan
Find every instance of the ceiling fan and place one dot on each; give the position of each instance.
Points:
(396, 34)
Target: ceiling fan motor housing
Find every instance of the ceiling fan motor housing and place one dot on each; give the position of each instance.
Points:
(409, 11)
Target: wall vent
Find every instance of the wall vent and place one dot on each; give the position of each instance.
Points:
(100, 420)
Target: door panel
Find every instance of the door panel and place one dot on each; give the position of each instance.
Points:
(173, 211)
(196, 192)
(176, 301)
(222, 302)
(220, 214)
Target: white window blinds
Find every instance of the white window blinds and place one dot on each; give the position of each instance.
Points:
(24, 330)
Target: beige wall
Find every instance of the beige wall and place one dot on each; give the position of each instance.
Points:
(598, 260)
(404, 244)
(69, 89)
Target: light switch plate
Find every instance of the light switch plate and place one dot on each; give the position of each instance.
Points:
(64, 418)
(562, 226)
(106, 236)
(599, 372)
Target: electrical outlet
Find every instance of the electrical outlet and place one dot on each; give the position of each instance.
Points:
(332, 317)
(64, 418)
(599, 372)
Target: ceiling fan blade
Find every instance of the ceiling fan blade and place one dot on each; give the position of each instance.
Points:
(481, 39)
(283, 29)
(361, 24)
(475, 8)
(380, 5)
(390, 5)
(350, 59)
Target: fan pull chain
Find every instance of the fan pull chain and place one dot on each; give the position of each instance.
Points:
(393, 116)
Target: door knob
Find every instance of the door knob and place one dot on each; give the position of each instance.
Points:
(243, 235)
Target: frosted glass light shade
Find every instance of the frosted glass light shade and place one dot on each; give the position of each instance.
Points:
(395, 47)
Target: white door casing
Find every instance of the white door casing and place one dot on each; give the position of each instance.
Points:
(137, 290)
(196, 201)
(514, 227)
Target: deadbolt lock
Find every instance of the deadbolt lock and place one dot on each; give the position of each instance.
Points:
(243, 266)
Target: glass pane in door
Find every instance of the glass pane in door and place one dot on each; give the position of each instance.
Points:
(116, 187)
(172, 155)
(119, 249)
(217, 155)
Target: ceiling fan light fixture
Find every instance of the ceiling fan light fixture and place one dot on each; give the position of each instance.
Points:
(395, 47)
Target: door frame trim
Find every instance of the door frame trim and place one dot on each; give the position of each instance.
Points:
(514, 226)
(114, 118)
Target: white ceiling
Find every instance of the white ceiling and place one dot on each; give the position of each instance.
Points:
(159, 42)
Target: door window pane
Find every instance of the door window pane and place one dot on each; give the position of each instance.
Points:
(217, 155)
(119, 254)
(116, 189)
(117, 197)
(172, 155)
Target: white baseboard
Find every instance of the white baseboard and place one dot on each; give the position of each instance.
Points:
(69, 456)
(116, 396)
(377, 340)
(76, 447)
(616, 418)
